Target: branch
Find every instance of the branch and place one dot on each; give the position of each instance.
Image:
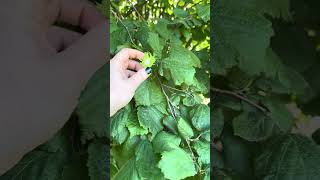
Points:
(197, 138)
(118, 18)
(193, 156)
(179, 90)
(172, 110)
(263, 109)
(139, 15)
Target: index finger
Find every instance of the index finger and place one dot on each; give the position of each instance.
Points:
(134, 65)
(76, 12)
(127, 54)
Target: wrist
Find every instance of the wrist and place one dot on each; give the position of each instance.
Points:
(112, 105)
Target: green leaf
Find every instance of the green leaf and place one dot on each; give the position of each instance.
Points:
(122, 153)
(127, 172)
(237, 154)
(180, 65)
(134, 126)
(274, 65)
(206, 136)
(171, 124)
(185, 129)
(202, 81)
(119, 131)
(189, 101)
(217, 121)
(38, 165)
(154, 42)
(203, 151)
(165, 142)
(98, 156)
(228, 103)
(119, 36)
(253, 126)
(180, 13)
(184, 111)
(242, 37)
(203, 11)
(292, 81)
(201, 117)
(141, 31)
(149, 93)
(146, 162)
(176, 164)
(92, 109)
(162, 28)
(289, 157)
(150, 118)
(280, 114)
(175, 99)
(113, 24)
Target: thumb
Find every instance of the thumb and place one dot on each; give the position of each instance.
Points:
(137, 79)
(87, 55)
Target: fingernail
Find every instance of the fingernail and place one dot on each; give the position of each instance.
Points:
(148, 70)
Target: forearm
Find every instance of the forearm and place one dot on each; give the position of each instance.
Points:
(113, 108)
(30, 117)
(21, 132)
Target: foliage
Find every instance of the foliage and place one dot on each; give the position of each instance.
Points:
(265, 58)
(163, 132)
(80, 150)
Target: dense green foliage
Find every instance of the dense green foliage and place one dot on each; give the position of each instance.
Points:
(164, 133)
(79, 151)
(265, 58)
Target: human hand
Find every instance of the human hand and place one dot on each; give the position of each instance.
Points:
(43, 69)
(126, 75)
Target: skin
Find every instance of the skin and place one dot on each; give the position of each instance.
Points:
(43, 69)
(126, 75)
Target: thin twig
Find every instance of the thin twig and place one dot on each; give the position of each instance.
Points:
(264, 110)
(169, 104)
(193, 156)
(136, 10)
(173, 113)
(119, 19)
(197, 138)
(169, 87)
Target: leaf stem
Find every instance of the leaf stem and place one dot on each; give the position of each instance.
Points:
(172, 111)
(231, 93)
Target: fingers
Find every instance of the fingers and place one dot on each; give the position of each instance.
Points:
(127, 53)
(60, 38)
(129, 73)
(86, 55)
(134, 65)
(136, 79)
(76, 12)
